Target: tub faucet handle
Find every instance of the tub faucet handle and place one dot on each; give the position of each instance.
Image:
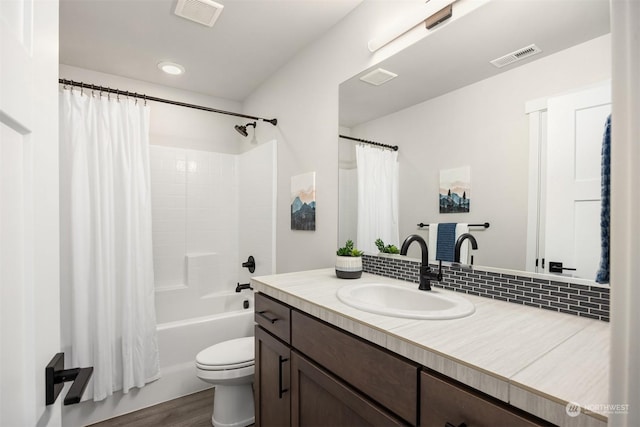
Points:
(250, 264)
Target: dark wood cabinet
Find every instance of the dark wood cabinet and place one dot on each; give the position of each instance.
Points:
(444, 402)
(272, 385)
(319, 399)
(273, 316)
(384, 377)
(272, 381)
(310, 373)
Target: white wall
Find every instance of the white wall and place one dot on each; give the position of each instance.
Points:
(483, 125)
(303, 95)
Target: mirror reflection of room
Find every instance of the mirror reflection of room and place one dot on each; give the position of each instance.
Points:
(449, 107)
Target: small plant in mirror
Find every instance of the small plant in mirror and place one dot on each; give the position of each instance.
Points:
(388, 249)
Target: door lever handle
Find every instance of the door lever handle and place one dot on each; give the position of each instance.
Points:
(556, 267)
(56, 376)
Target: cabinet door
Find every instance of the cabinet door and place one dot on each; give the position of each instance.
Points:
(444, 403)
(271, 382)
(319, 399)
(375, 372)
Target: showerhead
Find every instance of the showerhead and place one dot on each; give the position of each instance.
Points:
(242, 130)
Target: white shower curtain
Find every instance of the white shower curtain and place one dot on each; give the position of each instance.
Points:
(106, 253)
(377, 197)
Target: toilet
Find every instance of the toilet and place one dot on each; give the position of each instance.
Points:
(229, 366)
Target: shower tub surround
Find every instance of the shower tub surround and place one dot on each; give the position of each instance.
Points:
(556, 293)
(210, 212)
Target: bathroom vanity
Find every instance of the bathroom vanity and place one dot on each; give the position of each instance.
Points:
(321, 362)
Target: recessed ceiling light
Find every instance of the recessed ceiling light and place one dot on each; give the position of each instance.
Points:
(171, 68)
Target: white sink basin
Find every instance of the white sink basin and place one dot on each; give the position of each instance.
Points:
(402, 301)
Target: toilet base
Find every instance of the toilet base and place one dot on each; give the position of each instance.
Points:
(233, 406)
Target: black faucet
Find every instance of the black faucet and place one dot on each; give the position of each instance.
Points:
(462, 238)
(426, 276)
(240, 287)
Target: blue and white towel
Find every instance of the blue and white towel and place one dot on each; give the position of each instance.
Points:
(602, 276)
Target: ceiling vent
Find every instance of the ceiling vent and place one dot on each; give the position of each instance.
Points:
(378, 77)
(519, 54)
(204, 12)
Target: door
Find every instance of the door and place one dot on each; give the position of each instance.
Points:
(29, 264)
(575, 127)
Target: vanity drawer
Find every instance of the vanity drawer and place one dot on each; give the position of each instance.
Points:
(446, 403)
(273, 316)
(384, 377)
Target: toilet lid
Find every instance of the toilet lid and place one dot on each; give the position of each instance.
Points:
(239, 351)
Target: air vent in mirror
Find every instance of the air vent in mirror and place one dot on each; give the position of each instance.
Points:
(518, 55)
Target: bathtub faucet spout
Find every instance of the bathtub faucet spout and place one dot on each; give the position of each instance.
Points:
(240, 287)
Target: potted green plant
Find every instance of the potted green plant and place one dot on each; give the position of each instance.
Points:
(388, 249)
(349, 262)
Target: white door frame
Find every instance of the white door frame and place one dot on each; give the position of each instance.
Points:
(624, 374)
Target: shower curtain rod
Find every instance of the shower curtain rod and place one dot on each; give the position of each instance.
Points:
(390, 147)
(83, 85)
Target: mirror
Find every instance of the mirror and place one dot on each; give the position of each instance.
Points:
(449, 107)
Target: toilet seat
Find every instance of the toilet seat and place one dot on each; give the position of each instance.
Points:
(224, 367)
(228, 355)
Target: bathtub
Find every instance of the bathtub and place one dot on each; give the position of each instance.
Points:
(178, 342)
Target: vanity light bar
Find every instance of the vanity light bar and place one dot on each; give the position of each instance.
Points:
(408, 22)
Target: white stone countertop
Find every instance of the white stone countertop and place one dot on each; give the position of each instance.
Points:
(537, 360)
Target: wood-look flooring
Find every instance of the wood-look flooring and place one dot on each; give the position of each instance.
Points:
(193, 410)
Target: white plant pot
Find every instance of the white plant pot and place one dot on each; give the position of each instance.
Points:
(348, 267)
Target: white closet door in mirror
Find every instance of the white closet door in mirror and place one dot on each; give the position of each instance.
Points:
(575, 129)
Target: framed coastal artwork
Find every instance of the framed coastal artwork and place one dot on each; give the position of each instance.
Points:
(455, 190)
(303, 201)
